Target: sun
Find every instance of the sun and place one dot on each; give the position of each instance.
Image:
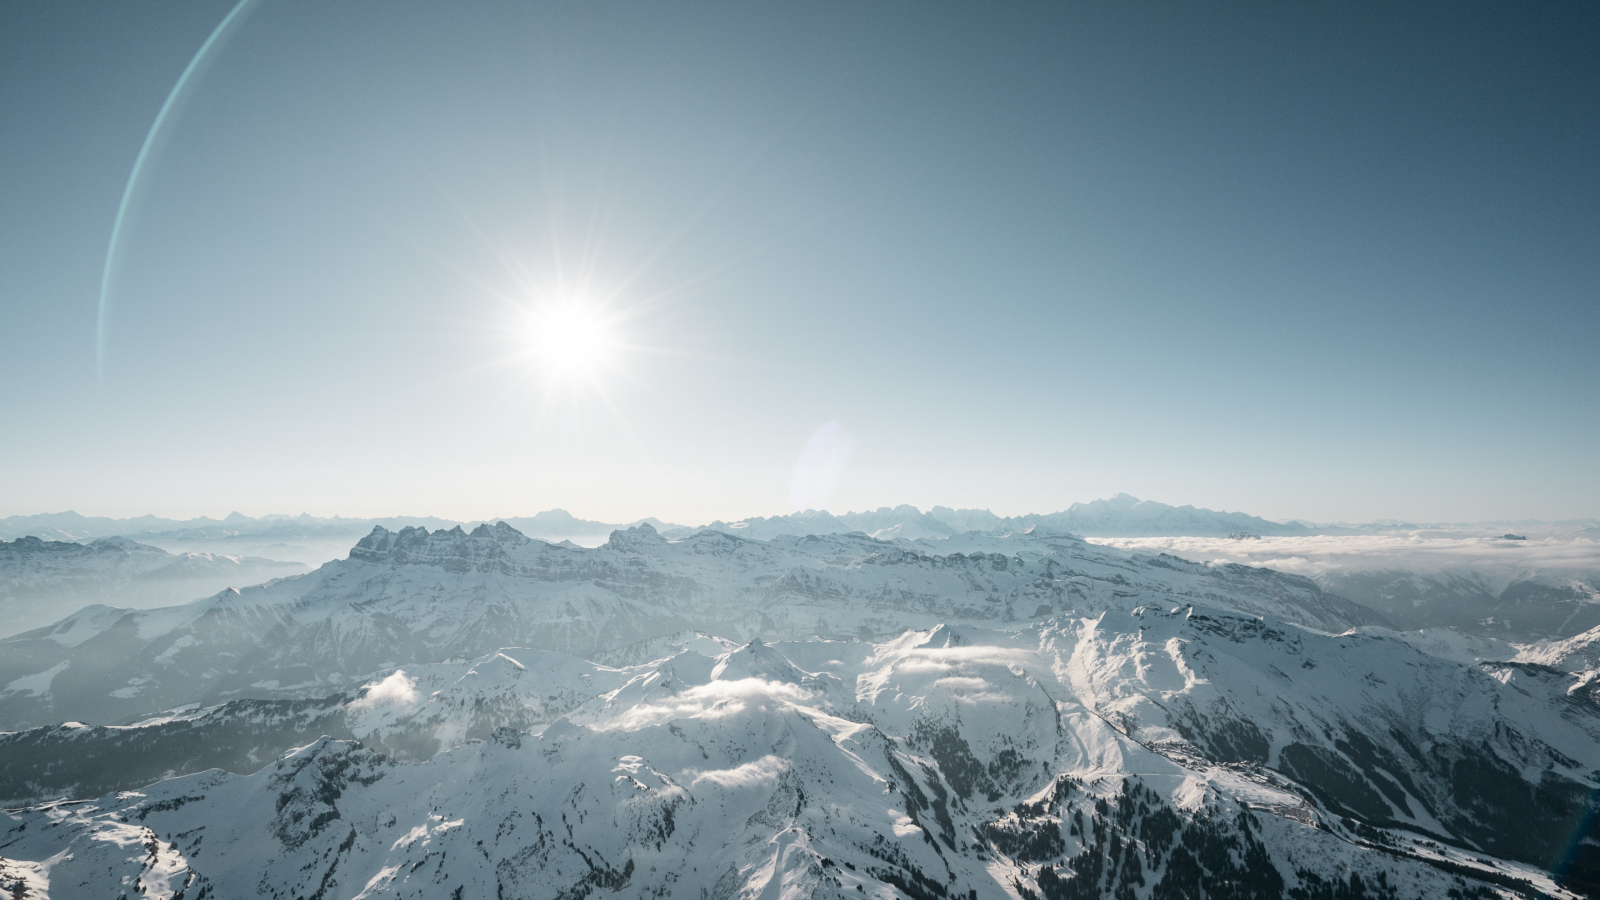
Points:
(572, 338)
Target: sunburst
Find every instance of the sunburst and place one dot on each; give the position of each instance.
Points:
(571, 338)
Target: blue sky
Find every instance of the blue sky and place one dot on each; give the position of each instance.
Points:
(1323, 262)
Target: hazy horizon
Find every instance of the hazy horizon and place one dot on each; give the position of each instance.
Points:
(623, 520)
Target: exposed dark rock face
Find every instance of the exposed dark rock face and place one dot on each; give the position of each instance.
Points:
(68, 761)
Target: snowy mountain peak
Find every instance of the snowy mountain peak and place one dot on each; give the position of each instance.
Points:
(1120, 501)
(760, 661)
(945, 636)
(500, 659)
(636, 538)
(453, 548)
(119, 543)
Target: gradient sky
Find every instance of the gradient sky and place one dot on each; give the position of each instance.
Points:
(1331, 261)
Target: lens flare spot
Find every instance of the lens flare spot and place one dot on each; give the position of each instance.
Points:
(819, 467)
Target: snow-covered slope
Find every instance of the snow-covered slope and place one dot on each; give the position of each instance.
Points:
(411, 712)
(1576, 654)
(942, 763)
(1499, 757)
(1518, 606)
(419, 597)
(1525, 589)
(40, 581)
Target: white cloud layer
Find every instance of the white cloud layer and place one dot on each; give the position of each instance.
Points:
(758, 773)
(714, 700)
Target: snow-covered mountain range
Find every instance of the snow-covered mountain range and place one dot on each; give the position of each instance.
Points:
(40, 581)
(1541, 582)
(1122, 516)
(1014, 714)
(304, 538)
(1119, 516)
(416, 596)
